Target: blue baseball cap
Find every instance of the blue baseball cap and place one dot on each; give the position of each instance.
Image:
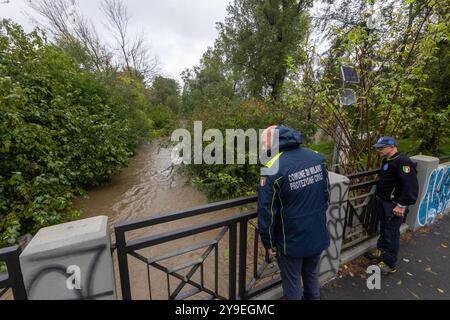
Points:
(385, 141)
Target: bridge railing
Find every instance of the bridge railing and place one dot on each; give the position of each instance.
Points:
(237, 228)
(444, 159)
(242, 249)
(361, 219)
(13, 278)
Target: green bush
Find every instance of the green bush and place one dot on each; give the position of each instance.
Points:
(229, 181)
(62, 129)
(163, 120)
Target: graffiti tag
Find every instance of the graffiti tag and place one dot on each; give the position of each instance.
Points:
(437, 196)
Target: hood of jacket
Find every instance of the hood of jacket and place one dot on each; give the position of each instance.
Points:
(288, 138)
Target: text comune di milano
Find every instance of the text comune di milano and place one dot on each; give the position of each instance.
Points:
(305, 177)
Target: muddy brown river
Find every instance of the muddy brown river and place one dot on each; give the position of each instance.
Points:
(151, 185)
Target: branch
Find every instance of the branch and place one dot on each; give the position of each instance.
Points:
(397, 88)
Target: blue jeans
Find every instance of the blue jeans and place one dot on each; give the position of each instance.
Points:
(296, 270)
(389, 240)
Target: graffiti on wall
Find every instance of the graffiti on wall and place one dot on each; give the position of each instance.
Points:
(51, 271)
(329, 261)
(437, 196)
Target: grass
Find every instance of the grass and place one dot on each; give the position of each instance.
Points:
(325, 148)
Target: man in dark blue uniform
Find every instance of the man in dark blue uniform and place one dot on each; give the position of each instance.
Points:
(397, 189)
(292, 205)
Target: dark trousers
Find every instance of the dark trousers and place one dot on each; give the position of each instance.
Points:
(296, 270)
(389, 240)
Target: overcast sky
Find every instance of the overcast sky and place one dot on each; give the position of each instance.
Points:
(178, 31)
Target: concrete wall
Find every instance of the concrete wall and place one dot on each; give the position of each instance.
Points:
(329, 262)
(434, 192)
(70, 261)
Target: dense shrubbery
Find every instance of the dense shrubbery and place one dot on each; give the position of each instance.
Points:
(229, 181)
(62, 128)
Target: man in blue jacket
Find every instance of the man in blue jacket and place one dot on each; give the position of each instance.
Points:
(292, 205)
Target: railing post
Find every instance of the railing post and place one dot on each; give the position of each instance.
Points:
(232, 263)
(373, 215)
(15, 274)
(242, 259)
(70, 261)
(424, 210)
(15, 278)
(123, 264)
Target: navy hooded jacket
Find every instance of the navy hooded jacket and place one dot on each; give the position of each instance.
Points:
(292, 202)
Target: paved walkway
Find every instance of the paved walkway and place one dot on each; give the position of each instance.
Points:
(423, 270)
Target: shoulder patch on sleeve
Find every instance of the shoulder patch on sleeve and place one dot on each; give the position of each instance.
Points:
(406, 169)
(263, 181)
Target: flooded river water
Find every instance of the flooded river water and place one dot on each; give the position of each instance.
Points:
(151, 185)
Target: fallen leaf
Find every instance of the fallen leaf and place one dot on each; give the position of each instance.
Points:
(430, 271)
(419, 261)
(406, 260)
(351, 274)
(444, 245)
(440, 290)
(409, 274)
(400, 282)
(415, 295)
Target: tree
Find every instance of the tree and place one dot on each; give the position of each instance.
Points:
(393, 60)
(211, 81)
(166, 91)
(74, 31)
(257, 37)
(135, 53)
(433, 103)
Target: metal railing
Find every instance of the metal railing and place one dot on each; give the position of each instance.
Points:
(237, 228)
(361, 219)
(444, 158)
(13, 278)
(360, 213)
